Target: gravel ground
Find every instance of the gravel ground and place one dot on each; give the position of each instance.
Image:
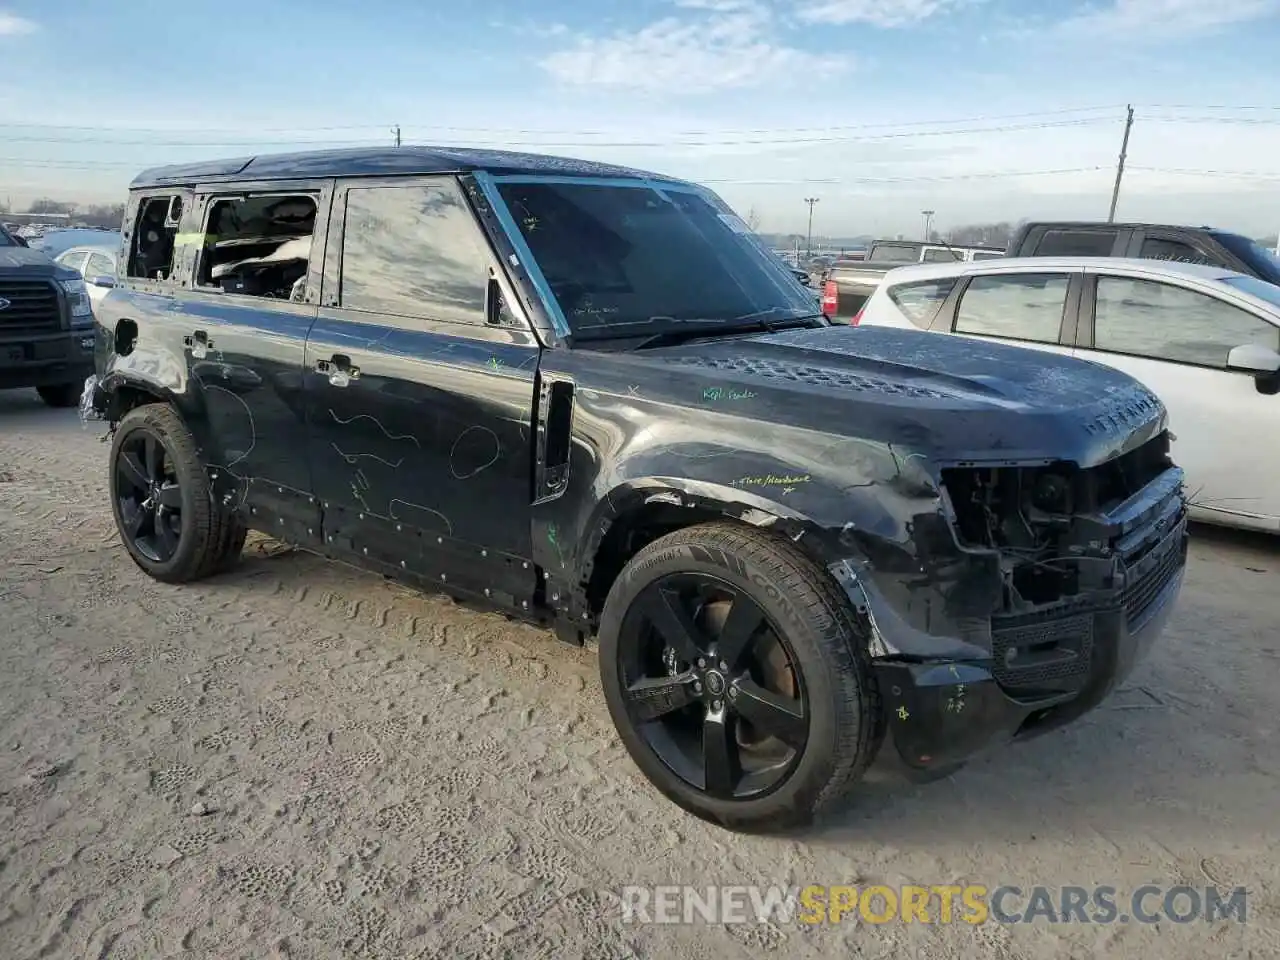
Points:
(301, 760)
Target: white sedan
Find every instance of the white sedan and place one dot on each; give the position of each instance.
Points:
(1204, 339)
(96, 264)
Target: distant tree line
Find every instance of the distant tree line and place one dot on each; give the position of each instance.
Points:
(109, 215)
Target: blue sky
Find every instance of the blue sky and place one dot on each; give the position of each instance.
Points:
(979, 109)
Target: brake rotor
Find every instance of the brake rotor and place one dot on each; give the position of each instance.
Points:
(772, 671)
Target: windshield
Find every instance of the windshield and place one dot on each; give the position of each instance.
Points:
(1255, 287)
(622, 255)
(1261, 260)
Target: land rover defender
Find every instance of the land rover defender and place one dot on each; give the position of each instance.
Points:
(589, 396)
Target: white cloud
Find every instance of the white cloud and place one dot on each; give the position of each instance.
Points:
(1131, 20)
(718, 45)
(12, 25)
(876, 13)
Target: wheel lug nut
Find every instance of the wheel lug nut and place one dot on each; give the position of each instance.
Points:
(716, 705)
(697, 688)
(702, 662)
(724, 666)
(733, 693)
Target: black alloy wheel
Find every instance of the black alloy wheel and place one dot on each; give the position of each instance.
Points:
(712, 687)
(162, 499)
(148, 496)
(738, 676)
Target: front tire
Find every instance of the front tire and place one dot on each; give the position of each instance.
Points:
(60, 395)
(160, 497)
(738, 677)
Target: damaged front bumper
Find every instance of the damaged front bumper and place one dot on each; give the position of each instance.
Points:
(1033, 672)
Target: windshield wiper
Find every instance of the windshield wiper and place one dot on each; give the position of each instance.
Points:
(692, 329)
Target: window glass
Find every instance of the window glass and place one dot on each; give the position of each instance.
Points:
(99, 265)
(986, 255)
(1076, 243)
(895, 253)
(632, 259)
(1164, 322)
(74, 260)
(920, 301)
(413, 251)
(941, 255)
(1154, 248)
(1020, 306)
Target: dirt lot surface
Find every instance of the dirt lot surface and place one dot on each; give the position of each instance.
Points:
(300, 760)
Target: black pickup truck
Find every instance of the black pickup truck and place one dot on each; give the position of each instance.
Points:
(1147, 241)
(589, 396)
(46, 324)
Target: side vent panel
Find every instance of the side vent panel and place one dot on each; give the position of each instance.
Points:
(555, 431)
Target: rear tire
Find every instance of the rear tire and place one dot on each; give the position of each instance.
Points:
(61, 394)
(822, 707)
(161, 500)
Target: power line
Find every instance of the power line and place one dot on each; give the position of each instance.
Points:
(591, 133)
(775, 141)
(1233, 174)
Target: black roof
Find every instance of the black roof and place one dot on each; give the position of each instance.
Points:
(382, 161)
(1127, 225)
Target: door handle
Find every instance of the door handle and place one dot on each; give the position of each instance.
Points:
(199, 344)
(339, 370)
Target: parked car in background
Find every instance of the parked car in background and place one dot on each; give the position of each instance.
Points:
(1149, 241)
(46, 325)
(1205, 339)
(96, 264)
(848, 284)
(60, 239)
(787, 536)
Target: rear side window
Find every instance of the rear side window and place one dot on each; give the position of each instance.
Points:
(259, 245)
(937, 255)
(986, 255)
(920, 302)
(1154, 248)
(1020, 307)
(1076, 243)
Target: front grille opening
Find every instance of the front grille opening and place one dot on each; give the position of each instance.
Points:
(1031, 515)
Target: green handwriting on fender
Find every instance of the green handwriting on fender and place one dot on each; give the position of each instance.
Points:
(726, 393)
(772, 480)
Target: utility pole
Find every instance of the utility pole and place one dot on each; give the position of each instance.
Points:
(928, 223)
(1124, 152)
(396, 130)
(809, 243)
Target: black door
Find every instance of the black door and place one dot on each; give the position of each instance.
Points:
(244, 318)
(420, 393)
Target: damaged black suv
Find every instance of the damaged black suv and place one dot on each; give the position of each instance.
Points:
(589, 396)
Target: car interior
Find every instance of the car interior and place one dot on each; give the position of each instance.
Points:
(259, 246)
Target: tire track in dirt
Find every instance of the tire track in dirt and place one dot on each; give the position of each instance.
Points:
(386, 774)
